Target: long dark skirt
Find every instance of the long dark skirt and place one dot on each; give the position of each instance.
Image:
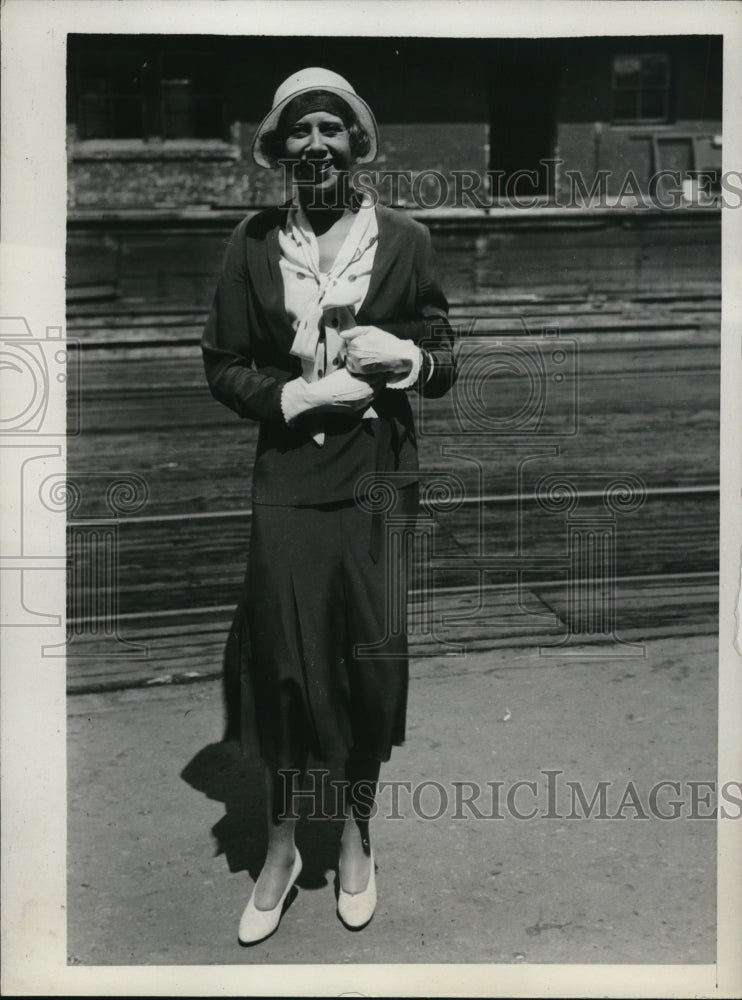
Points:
(319, 639)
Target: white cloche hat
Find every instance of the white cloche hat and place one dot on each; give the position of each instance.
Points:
(305, 81)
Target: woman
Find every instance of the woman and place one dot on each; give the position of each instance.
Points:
(327, 310)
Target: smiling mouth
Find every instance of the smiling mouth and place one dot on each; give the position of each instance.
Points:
(316, 170)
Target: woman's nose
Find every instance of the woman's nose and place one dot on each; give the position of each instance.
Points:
(316, 141)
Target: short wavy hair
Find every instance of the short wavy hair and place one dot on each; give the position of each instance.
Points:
(272, 144)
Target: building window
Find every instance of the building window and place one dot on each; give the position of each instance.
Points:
(641, 88)
(146, 94)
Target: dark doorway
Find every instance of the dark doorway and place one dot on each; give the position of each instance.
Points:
(523, 92)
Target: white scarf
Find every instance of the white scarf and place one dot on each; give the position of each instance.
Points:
(313, 296)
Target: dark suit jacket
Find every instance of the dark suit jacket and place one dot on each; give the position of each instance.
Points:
(246, 344)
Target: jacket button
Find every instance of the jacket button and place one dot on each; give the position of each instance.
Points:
(334, 321)
(321, 372)
(335, 362)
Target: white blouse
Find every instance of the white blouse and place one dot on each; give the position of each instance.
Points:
(323, 304)
(320, 304)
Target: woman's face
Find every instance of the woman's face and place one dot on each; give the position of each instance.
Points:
(319, 145)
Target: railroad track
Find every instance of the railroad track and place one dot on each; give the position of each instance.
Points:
(641, 402)
(175, 612)
(187, 645)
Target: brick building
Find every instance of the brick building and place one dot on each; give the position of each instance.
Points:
(166, 122)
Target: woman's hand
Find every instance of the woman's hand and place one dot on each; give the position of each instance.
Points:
(371, 351)
(340, 392)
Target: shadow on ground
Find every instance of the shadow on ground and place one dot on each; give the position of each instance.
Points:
(231, 772)
(223, 773)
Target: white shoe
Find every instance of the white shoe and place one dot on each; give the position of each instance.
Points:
(255, 924)
(355, 909)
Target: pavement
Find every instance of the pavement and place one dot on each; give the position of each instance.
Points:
(166, 833)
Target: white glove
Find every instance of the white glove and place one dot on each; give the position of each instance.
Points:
(371, 350)
(340, 392)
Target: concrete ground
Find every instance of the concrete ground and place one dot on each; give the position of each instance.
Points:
(166, 823)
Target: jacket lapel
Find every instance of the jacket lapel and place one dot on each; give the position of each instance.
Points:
(386, 256)
(263, 257)
(264, 264)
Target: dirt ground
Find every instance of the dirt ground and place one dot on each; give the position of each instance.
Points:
(166, 823)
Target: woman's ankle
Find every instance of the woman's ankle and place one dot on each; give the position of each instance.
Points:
(281, 853)
(355, 837)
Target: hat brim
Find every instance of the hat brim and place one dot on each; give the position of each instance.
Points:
(358, 106)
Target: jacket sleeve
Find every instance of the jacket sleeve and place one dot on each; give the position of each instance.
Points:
(226, 345)
(432, 331)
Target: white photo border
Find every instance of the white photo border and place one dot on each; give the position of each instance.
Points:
(33, 688)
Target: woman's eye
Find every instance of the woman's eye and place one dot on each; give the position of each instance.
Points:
(299, 131)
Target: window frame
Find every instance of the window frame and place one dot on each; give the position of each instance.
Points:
(641, 89)
(156, 122)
